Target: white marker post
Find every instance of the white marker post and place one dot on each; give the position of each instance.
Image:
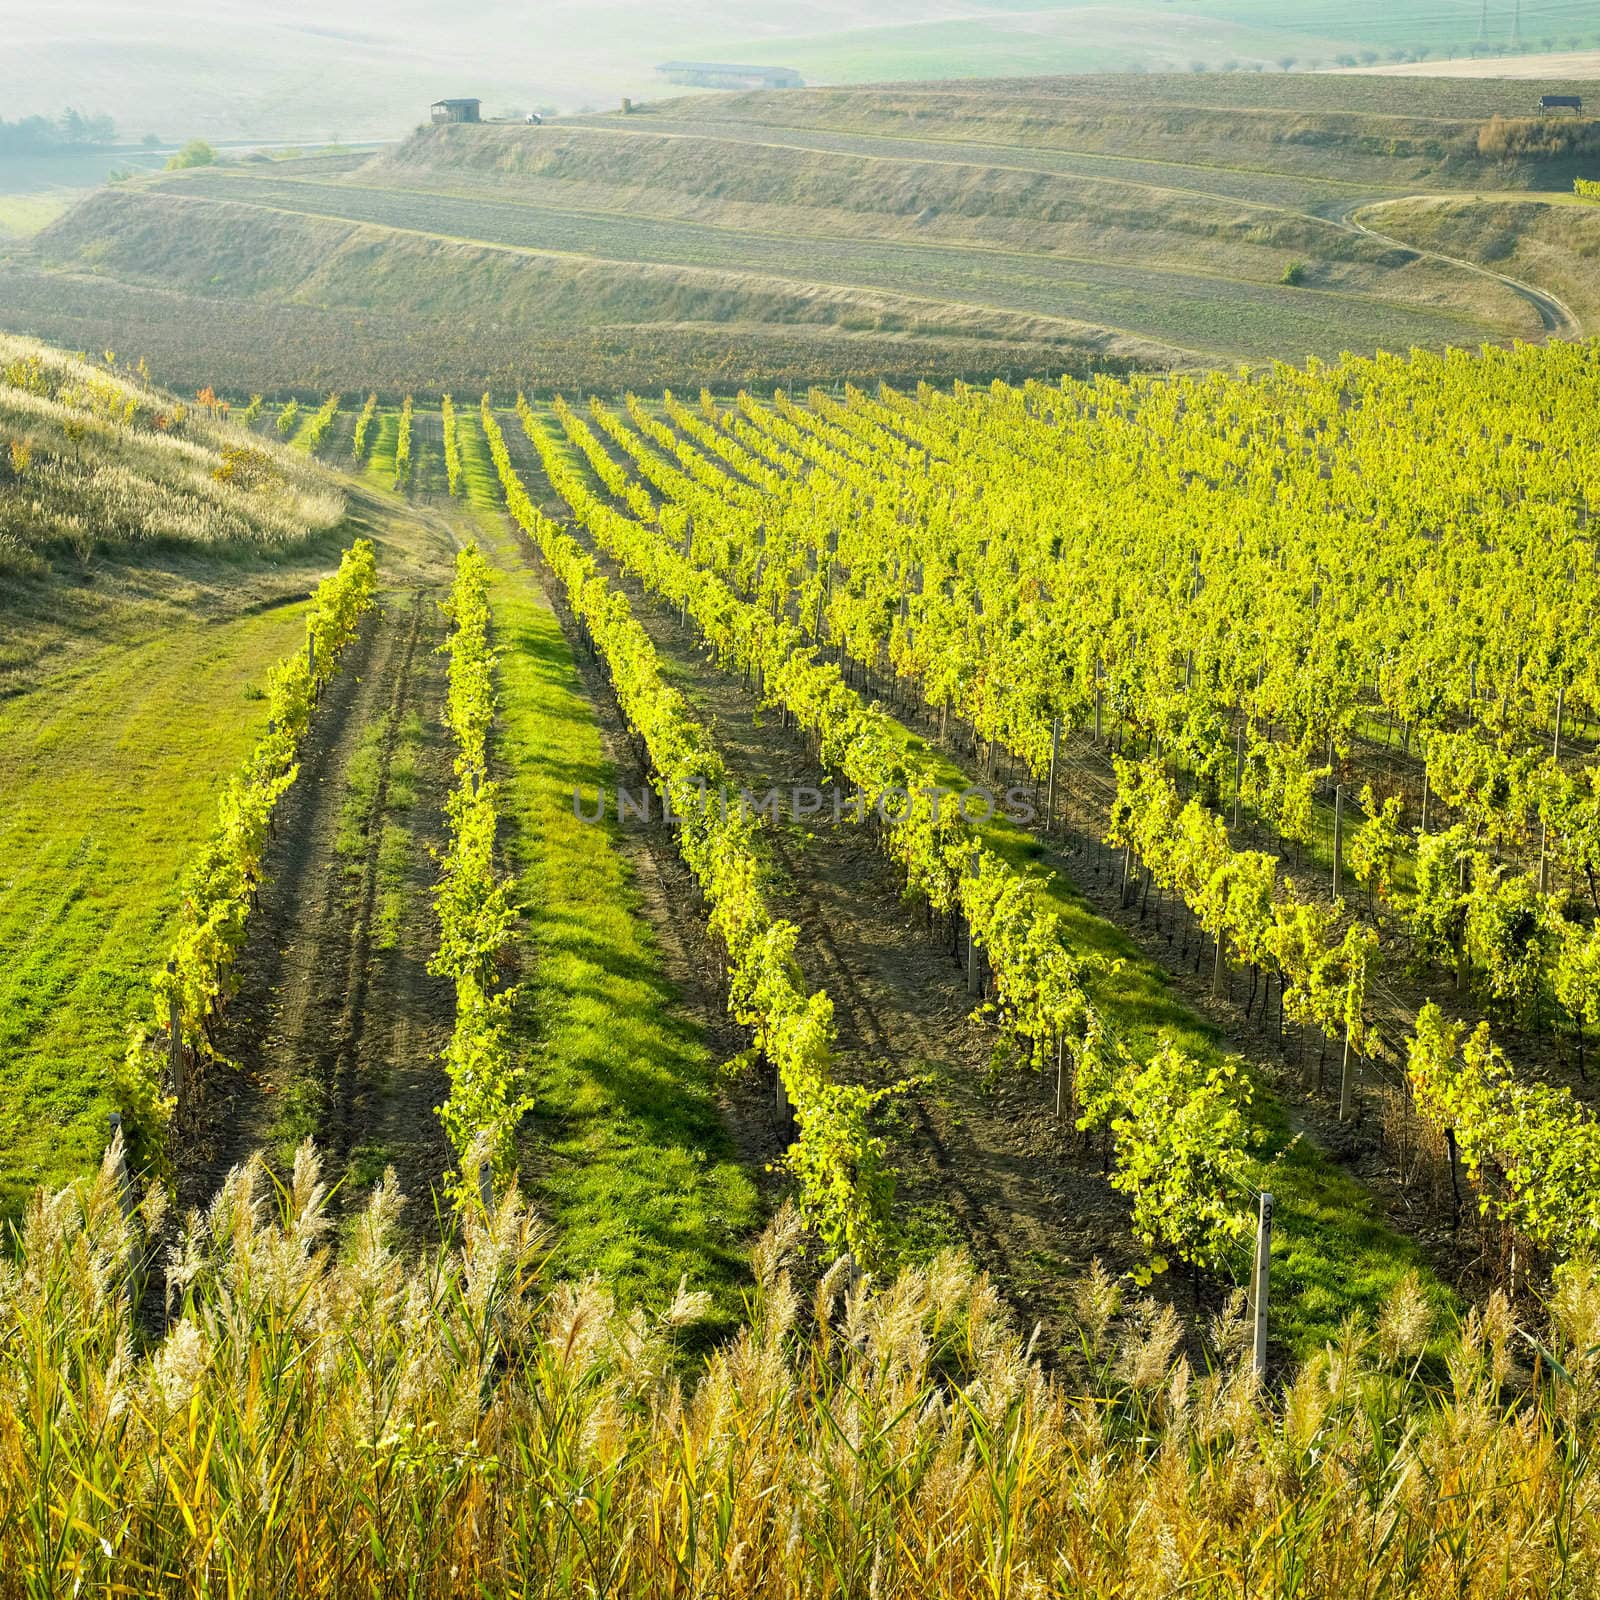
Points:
(1258, 1288)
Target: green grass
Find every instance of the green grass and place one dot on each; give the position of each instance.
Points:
(394, 856)
(22, 215)
(625, 1152)
(109, 771)
(1332, 1250)
(362, 830)
(361, 778)
(385, 440)
(394, 838)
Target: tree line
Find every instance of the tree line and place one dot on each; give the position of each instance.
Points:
(72, 130)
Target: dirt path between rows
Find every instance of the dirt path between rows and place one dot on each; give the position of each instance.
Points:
(336, 1028)
(667, 891)
(981, 1165)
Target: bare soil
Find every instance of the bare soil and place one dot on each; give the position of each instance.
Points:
(330, 1035)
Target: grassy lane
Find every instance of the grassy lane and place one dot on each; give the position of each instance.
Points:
(1333, 1250)
(385, 439)
(109, 776)
(626, 1151)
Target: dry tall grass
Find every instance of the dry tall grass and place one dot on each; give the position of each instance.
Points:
(92, 457)
(321, 1418)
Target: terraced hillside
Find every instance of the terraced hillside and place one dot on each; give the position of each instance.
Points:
(934, 230)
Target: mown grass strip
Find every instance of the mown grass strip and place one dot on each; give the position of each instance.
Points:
(110, 775)
(625, 1151)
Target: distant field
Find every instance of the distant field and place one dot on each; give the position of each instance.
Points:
(1559, 64)
(933, 230)
(25, 214)
(236, 71)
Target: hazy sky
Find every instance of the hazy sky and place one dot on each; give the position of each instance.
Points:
(215, 65)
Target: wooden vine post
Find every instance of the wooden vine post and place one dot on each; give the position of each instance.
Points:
(1258, 1288)
(1238, 773)
(1347, 1079)
(974, 955)
(1338, 836)
(783, 1105)
(1055, 758)
(175, 1052)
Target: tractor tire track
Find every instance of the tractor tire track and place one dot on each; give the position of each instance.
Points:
(319, 1013)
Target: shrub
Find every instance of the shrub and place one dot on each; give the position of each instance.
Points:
(1525, 138)
(197, 153)
(246, 466)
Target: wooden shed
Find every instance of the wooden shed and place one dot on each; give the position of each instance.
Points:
(456, 111)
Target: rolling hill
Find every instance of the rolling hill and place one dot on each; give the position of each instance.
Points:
(930, 231)
(232, 70)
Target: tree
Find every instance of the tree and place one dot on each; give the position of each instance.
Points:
(197, 153)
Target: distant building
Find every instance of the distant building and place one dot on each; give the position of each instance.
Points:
(456, 111)
(1561, 102)
(722, 75)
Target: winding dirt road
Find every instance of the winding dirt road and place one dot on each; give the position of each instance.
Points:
(1558, 319)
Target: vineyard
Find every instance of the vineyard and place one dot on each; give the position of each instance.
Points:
(855, 920)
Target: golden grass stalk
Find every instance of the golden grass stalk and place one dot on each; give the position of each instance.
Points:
(319, 1417)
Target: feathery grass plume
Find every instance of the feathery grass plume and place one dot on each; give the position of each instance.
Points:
(321, 1416)
(111, 462)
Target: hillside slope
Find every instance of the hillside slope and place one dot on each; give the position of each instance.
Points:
(154, 562)
(95, 458)
(934, 230)
(1554, 243)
